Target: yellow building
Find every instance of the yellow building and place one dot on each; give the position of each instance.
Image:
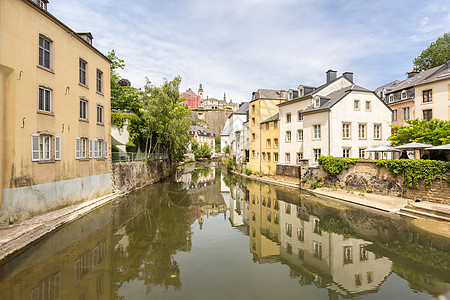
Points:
(270, 144)
(55, 112)
(263, 106)
(264, 222)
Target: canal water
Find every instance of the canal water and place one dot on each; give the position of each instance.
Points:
(210, 235)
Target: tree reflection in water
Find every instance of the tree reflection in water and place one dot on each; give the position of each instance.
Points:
(147, 243)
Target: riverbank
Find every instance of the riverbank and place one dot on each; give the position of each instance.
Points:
(386, 203)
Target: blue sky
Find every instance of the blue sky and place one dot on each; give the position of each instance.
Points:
(239, 46)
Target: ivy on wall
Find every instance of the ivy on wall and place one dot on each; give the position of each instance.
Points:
(334, 165)
(414, 169)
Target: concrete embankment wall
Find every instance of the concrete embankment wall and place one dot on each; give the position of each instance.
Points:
(132, 175)
(365, 175)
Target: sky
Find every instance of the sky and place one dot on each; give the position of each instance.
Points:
(240, 46)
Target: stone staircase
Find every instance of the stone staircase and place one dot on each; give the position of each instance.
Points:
(425, 212)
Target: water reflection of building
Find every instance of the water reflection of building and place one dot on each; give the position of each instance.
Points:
(264, 219)
(198, 178)
(341, 264)
(75, 260)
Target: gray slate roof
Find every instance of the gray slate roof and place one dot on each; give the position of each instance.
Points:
(272, 118)
(200, 131)
(268, 94)
(243, 109)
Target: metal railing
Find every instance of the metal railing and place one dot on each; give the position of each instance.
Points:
(133, 156)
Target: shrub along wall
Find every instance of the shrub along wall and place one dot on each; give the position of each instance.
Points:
(417, 180)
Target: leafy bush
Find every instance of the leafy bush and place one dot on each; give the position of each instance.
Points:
(414, 169)
(202, 152)
(314, 185)
(334, 165)
(248, 172)
(114, 148)
(231, 162)
(226, 149)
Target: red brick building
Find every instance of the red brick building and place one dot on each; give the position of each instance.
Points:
(191, 99)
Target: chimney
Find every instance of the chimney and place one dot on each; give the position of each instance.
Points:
(331, 75)
(283, 94)
(412, 73)
(349, 76)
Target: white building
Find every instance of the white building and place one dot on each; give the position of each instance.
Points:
(233, 132)
(338, 118)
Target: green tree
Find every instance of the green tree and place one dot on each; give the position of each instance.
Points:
(435, 132)
(202, 152)
(217, 143)
(438, 53)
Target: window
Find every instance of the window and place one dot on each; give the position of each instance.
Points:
(361, 153)
(91, 148)
(100, 114)
(82, 71)
(356, 105)
(317, 250)
(368, 106)
(275, 157)
(268, 143)
(288, 157)
(98, 148)
(346, 152)
(317, 132)
(253, 153)
(289, 248)
(317, 153)
(363, 253)
(288, 229)
(276, 218)
(253, 137)
(81, 148)
(405, 113)
(45, 99)
(362, 131)
(299, 156)
(358, 279)
(253, 108)
(288, 118)
(300, 234)
(300, 116)
(264, 156)
(427, 96)
(369, 277)
(301, 254)
(377, 131)
(268, 156)
(41, 147)
(317, 226)
(267, 126)
(275, 143)
(253, 121)
(44, 52)
(346, 130)
(288, 136)
(394, 115)
(316, 102)
(404, 95)
(269, 216)
(83, 109)
(348, 254)
(391, 98)
(300, 135)
(427, 114)
(99, 81)
(275, 124)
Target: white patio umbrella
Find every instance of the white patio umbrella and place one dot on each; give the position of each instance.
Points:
(386, 148)
(413, 146)
(441, 147)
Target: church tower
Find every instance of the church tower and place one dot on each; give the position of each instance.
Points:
(200, 91)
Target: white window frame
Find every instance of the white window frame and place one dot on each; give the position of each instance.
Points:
(356, 105)
(391, 98)
(346, 152)
(299, 156)
(275, 143)
(404, 95)
(377, 131)
(316, 102)
(300, 135)
(361, 153)
(275, 156)
(316, 154)
(99, 81)
(288, 118)
(317, 132)
(82, 71)
(287, 157)
(99, 114)
(268, 143)
(368, 103)
(346, 130)
(288, 136)
(362, 131)
(57, 141)
(406, 116)
(300, 116)
(85, 106)
(46, 99)
(43, 51)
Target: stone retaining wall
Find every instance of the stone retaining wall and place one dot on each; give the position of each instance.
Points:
(132, 175)
(366, 176)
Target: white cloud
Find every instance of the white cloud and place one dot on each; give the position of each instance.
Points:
(238, 46)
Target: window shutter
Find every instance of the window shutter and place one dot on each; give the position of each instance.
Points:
(57, 147)
(35, 147)
(95, 148)
(77, 148)
(106, 149)
(91, 150)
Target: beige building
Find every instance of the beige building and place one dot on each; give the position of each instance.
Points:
(262, 106)
(270, 144)
(55, 111)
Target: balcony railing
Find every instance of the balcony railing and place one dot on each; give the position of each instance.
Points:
(133, 156)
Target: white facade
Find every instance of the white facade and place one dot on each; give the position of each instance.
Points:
(331, 123)
(233, 133)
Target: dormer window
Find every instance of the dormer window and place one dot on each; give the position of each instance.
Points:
(42, 3)
(316, 101)
(404, 95)
(391, 98)
(291, 95)
(301, 91)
